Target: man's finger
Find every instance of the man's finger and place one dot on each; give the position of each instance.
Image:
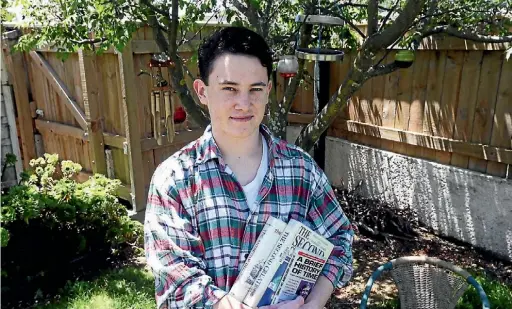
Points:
(299, 300)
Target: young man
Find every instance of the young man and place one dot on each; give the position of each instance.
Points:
(209, 201)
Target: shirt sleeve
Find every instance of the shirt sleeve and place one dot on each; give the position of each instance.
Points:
(328, 219)
(174, 251)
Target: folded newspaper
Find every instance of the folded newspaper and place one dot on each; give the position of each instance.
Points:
(289, 269)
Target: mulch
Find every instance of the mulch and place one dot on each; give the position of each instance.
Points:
(399, 234)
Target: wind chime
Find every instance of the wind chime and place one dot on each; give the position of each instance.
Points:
(162, 103)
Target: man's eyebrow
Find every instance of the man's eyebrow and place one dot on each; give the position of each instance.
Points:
(228, 82)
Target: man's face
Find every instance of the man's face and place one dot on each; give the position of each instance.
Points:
(236, 95)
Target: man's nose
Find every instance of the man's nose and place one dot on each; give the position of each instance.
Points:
(243, 101)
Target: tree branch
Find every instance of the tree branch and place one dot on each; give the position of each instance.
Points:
(467, 35)
(183, 40)
(388, 15)
(88, 41)
(173, 31)
(347, 21)
(154, 8)
(358, 5)
(381, 69)
(403, 22)
(372, 11)
(250, 14)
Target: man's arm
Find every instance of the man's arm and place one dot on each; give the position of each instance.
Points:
(320, 294)
(328, 219)
(174, 250)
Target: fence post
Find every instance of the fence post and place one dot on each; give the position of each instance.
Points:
(131, 120)
(91, 97)
(18, 78)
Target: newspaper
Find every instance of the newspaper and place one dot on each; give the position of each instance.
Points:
(256, 259)
(296, 235)
(300, 276)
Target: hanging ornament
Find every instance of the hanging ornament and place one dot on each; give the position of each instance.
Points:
(404, 58)
(180, 115)
(288, 66)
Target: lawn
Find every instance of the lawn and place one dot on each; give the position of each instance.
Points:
(132, 286)
(128, 287)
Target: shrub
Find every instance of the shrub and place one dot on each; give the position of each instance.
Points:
(54, 228)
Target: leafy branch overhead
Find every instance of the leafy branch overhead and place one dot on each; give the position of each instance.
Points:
(389, 23)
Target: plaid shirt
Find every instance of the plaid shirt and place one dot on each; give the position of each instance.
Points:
(199, 229)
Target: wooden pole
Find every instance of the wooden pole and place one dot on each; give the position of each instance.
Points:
(91, 97)
(18, 78)
(130, 117)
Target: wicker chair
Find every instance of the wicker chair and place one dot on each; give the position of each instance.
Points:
(426, 283)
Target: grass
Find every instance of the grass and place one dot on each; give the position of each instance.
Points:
(499, 294)
(133, 287)
(129, 287)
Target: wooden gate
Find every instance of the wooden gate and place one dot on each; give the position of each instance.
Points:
(95, 111)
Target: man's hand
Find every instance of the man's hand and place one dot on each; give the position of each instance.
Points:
(229, 302)
(288, 304)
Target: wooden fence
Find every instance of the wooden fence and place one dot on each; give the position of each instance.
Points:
(453, 106)
(96, 111)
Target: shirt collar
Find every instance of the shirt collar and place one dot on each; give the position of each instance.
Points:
(208, 149)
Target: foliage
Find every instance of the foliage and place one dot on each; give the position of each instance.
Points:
(70, 24)
(388, 24)
(129, 287)
(65, 224)
(10, 160)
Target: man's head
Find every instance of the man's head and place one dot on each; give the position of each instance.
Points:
(233, 40)
(235, 66)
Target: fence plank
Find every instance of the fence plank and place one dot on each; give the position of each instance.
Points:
(61, 88)
(91, 99)
(435, 143)
(149, 168)
(467, 101)
(17, 71)
(419, 89)
(432, 104)
(486, 103)
(60, 129)
(143, 94)
(502, 129)
(450, 97)
(389, 103)
(130, 116)
(403, 107)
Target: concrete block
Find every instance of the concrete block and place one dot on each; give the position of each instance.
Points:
(469, 206)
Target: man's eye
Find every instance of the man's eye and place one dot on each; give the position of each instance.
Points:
(256, 89)
(229, 89)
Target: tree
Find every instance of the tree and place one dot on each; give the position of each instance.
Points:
(69, 24)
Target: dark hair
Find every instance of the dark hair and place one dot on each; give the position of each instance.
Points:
(234, 40)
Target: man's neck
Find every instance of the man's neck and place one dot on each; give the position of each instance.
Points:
(239, 149)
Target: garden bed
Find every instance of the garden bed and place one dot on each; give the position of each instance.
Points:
(381, 241)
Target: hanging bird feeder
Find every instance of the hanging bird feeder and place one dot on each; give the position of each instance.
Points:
(404, 58)
(288, 66)
(162, 104)
(319, 53)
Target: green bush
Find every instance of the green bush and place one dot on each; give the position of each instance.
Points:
(54, 228)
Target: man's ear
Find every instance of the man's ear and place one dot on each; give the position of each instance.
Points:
(200, 89)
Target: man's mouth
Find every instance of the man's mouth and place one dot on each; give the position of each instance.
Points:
(242, 119)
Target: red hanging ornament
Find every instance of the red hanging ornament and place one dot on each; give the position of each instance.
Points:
(180, 115)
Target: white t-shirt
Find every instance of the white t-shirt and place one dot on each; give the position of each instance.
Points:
(252, 189)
